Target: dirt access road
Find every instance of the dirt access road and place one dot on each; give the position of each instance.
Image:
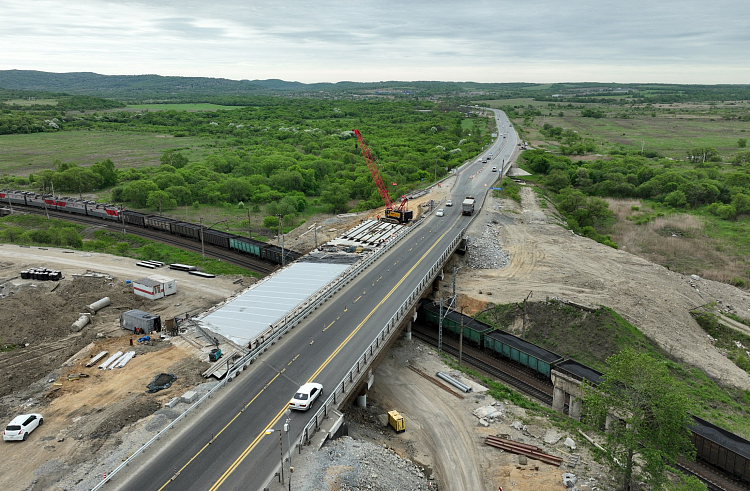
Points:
(551, 262)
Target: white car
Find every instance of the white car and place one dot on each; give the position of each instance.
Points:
(449, 203)
(21, 426)
(305, 396)
(439, 213)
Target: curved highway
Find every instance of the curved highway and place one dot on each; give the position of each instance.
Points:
(224, 446)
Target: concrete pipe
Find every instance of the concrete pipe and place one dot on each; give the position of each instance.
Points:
(80, 323)
(99, 304)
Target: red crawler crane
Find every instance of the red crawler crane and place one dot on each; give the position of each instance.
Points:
(393, 213)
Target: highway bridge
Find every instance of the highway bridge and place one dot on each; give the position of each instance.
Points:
(224, 445)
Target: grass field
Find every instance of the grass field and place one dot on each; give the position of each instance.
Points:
(668, 135)
(23, 154)
(179, 107)
(668, 129)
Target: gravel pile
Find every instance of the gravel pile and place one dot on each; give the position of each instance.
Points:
(484, 252)
(347, 464)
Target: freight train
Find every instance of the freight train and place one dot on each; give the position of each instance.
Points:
(268, 252)
(722, 449)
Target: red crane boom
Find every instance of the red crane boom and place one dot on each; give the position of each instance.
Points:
(367, 154)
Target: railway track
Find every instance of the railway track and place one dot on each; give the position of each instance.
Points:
(242, 260)
(485, 366)
(714, 480)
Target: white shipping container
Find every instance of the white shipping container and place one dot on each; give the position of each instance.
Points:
(146, 287)
(168, 285)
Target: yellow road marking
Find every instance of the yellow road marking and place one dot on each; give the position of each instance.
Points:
(257, 439)
(355, 300)
(225, 427)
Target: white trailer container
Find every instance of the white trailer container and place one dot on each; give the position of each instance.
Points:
(168, 285)
(146, 287)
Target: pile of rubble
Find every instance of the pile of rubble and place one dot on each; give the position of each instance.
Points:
(485, 252)
(349, 464)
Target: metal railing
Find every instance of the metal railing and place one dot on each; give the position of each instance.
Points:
(353, 376)
(302, 311)
(282, 327)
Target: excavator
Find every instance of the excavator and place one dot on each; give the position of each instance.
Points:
(393, 214)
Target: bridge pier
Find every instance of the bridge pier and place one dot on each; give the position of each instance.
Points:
(558, 400)
(575, 407)
(407, 331)
(362, 397)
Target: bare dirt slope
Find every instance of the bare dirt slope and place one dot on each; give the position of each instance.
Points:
(551, 262)
(85, 415)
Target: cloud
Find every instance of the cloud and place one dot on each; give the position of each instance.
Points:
(325, 40)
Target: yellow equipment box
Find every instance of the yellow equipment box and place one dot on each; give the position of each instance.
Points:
(396, 421)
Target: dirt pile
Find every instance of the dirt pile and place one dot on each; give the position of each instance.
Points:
(36, 317)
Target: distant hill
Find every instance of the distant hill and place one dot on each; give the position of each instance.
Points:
(152, 88)
(125, 87)
(142, 87)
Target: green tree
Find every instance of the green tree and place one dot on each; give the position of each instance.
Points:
(676, 199)
(160, 200)
(741, 203)
(173, 158)
(337, 196)
(651, 427)
(742, 142)
(557, 180)
(271, 222)
(138, 191)
(106, 169)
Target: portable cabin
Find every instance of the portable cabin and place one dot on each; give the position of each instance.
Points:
(148, 288)
(168, 285)
(140, 322)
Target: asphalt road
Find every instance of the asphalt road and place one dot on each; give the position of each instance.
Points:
(225, 446)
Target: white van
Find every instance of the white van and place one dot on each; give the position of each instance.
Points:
(494, 169)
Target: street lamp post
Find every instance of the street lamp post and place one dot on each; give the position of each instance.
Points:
(281, 452)
(287, 428)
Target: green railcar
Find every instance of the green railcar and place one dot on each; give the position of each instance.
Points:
(473, 330)
(527, 354)
(244, 246)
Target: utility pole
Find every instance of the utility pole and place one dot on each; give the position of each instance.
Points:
(461, 339)
(249, 226)
(440, 327)
(203, 247)
(523, 329)
(122, 216)
(435, 168)
(315, 233)
(281, 233)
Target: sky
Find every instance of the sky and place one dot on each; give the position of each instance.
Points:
(665, 41)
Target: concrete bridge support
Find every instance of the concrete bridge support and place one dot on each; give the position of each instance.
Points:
(575, 407)
(558, 400)
(362, 397)
(564, 384)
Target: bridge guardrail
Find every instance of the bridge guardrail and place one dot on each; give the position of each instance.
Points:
(350, 380)
(324, 294)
